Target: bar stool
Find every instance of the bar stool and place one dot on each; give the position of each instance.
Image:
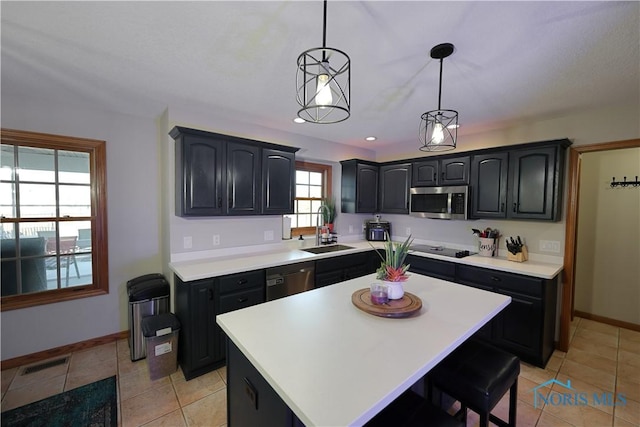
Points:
(412, 410)
(478, 375)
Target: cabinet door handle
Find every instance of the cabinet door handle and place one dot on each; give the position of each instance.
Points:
(230, 202)
(241, 282)
(435, 176)
(210, 294)
(219, 202)
(496, 279)
(502, 207)
(514, 207)
(243, 299)
(442, 176)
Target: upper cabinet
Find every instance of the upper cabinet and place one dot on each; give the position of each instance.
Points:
(278, 181)
(524, 182)
(440, 172)
(395, 180)
(224, 175)
(359, 186)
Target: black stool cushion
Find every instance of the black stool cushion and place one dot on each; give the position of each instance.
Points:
(411, 410)
(476, 374)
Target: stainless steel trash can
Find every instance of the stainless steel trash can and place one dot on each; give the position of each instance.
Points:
(148, 295)
(161, 336)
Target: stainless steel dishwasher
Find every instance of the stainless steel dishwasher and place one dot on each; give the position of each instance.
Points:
(290, 279)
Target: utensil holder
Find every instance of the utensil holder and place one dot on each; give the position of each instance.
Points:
(520, 256)
(487, 246)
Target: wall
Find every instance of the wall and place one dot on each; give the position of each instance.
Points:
(133, 218)
(607, 281)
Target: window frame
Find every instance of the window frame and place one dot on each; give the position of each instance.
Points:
(326, 171)
(99, 250)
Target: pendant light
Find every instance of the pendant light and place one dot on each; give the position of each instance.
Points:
(323, 82)
(439, 128)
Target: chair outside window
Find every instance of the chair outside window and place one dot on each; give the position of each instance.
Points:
(66, 251)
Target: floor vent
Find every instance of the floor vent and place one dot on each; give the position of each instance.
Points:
(44, 365)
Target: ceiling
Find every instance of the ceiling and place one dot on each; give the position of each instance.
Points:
(513, 61)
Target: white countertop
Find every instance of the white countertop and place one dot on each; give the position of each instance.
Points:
(237, 260)
(335, 365)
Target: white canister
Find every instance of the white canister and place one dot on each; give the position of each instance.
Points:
(487, 247)
(286, 228)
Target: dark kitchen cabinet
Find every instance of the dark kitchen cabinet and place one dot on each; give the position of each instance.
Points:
(440, 172)
(395, 180)
(534, 179)
(278, 177)
(526, 327)
(359, 186)
(198, 345)
(225, 175)
(200, 181)
(432, 267)
(338, 269)
(489, 185)
(201, 345)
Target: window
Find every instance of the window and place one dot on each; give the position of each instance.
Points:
(53, 224)
(313, 184)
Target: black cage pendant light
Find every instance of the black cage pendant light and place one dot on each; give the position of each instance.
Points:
(439, 128)
(324, 82)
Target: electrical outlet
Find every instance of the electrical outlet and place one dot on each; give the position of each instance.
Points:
(408, 231)
(268, 235)
(187, 242)
(216, 239)
(550, 246)
(351, 229)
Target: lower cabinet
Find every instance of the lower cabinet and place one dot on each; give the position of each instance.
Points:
(345, 267)
(201, 346)
(432, 267)
(526, 327)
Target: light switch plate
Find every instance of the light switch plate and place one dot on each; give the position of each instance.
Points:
(550, 246)
(216, 239)
(187, 242)
(268, 235)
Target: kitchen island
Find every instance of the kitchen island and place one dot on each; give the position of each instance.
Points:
(316, 358)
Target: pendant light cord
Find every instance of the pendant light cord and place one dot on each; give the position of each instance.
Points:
(440, 87)
(324, 32)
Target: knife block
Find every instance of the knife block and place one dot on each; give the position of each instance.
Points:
(520, 256)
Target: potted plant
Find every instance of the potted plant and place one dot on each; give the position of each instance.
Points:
(392, 269)
(329, 214)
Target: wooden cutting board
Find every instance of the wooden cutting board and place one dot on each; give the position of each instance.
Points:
(406, 306)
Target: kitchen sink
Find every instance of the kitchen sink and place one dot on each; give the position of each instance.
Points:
(325, 249)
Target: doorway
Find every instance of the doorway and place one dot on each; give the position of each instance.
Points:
(571, 231)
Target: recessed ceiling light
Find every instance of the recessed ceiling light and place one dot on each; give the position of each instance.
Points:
(299, 120)
(371, 138)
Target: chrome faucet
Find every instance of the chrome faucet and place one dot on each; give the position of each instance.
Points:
(318, 220)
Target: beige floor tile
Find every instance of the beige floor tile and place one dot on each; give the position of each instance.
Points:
(628, 358)
(149, 406)
(173, 419)
(599, 327)
(586, 390)
(576, 321)
(631, 346)
(529, 392)
(630, 373)
(559, 353)
(630, 389)
(177, 375)
(21, 379)
(88, 374)
(126, 366)
(32, 392)
(598, 337)
(122, 349)
(619, 422)
(589, 375)
(210, 411)
(592, 360)
(7, 377)
(629, 411)
(629, 335)
(526, 414)
(579, 415)
(139, 382)
(585, 344)
(554, 363)
(223, 373)
(197, 388)
(548, 420)
(535, 374)
(93, 356)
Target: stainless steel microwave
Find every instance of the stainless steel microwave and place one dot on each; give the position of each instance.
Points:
(439, 202)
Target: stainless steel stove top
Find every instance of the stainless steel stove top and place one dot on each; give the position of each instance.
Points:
(441, 250)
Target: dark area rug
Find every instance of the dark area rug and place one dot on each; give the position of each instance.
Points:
(94, 404)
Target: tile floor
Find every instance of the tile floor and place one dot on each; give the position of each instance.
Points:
(602, 359)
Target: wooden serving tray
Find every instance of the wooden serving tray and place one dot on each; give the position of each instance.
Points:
(406, 306)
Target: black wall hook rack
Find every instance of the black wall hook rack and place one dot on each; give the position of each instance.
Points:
(624, 183)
